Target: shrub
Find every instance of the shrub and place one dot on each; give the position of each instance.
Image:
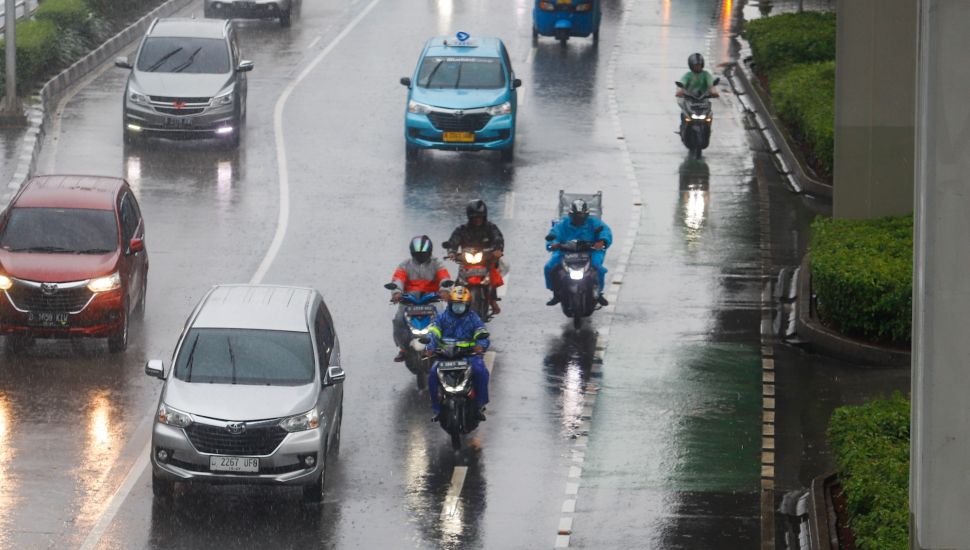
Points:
(871, 447)
(781, 41)
(36, 53)
(862, 273)
(119, 11)
(67, 15)
(804, 98)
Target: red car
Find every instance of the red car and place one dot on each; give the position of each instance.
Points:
(72, 261)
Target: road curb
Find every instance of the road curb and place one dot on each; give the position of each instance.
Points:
(830, 342)
(38, 112)
(753, 99)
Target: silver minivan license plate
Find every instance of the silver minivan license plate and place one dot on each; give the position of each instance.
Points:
(233, 464)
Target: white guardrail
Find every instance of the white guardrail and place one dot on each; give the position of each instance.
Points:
(23, 7)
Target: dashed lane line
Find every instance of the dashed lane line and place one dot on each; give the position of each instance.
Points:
(141, 463)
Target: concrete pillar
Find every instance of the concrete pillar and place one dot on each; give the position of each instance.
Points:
(874, 108)
(940, 451)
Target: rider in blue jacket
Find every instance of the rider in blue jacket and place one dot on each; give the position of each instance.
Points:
(458, 322)
(579, 225)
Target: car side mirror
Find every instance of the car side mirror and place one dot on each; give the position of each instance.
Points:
(717, 81)
(405, 81)
(679, 84)
(516, 83)
(136, 245)
(155, 368)
(335, 374)
(390, 286)
(245, 66)
(122, 62)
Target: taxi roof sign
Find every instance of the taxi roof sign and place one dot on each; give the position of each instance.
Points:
(461, 40)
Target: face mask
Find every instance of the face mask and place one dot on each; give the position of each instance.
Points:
(459, 308)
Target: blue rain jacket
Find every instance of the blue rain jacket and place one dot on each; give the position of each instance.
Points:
(566, 231)
(458, 327)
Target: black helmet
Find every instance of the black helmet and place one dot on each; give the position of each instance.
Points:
(476, 209)
(421, 249)
(578, 212)
(695, 59)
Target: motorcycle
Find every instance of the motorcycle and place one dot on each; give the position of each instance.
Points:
(575, 280)
(459, 411)
(473, 273)
(695, 120)
(420, 315)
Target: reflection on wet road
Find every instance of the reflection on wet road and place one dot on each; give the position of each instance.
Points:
(671, 442)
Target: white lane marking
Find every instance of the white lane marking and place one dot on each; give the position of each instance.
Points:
(454, 491)
(282, 168)
(489, 360)
(315, 42)
(140, 464)
(531, 55)
(510, 205)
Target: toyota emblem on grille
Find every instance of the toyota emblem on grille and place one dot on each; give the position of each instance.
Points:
(236, 428)
(48, 289)
(459, 114)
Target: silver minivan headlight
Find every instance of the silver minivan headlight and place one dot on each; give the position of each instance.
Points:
(137, 97)
(173, 417)
(301, 422)
(224, 98)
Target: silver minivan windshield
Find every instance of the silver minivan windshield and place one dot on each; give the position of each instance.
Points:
(246, 356)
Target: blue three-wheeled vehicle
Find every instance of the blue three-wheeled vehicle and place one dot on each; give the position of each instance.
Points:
(564, 18)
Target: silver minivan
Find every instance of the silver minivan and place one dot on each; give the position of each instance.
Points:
(254, 393)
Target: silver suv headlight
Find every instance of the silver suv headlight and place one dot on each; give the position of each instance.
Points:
(173, 417)
(501, 109)
(225, 98)
(137, 97)
(301, 422)
(418, 108)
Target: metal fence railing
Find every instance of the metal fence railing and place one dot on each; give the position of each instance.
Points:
(24, 7)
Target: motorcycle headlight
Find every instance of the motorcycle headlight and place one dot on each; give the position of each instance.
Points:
(173, 417)
(419, 331)
(698, 117)
(225, 98)
(5, 282)
(576, 274)
(502, 109)
(418, 108)
(137, 97)
(473, 258)
(301, 422)
(104, 284)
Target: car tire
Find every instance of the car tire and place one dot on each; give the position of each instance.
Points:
(118, 342)
(336, 437)
(129, 138)
(411, 153)
(313, 491)
(285, 18)
(162, 488)
(508, 155)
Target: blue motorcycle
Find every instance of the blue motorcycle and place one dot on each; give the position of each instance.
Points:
(564, 18)
(420, 315)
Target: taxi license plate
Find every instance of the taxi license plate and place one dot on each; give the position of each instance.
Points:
(47, 318)
(461, 137)
(233, 464)
(564, 1)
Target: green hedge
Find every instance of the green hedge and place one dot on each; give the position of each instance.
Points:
(862, 273)
(67, 15)
(780, 41)
(871, 447)
(804, 98)
(36, 53)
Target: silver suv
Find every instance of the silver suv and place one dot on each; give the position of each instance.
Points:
(188, 80)
(254, 393)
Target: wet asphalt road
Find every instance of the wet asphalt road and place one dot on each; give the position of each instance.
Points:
(673, 445)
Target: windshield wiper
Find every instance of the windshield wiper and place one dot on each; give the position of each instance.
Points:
(94, 251)
(188, 365)
(427, 81)
(457, 80)
(188, 61)
(232, 359)
(41, 249)
(161, 61)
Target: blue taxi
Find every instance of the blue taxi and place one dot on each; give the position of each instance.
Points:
(462, 97)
